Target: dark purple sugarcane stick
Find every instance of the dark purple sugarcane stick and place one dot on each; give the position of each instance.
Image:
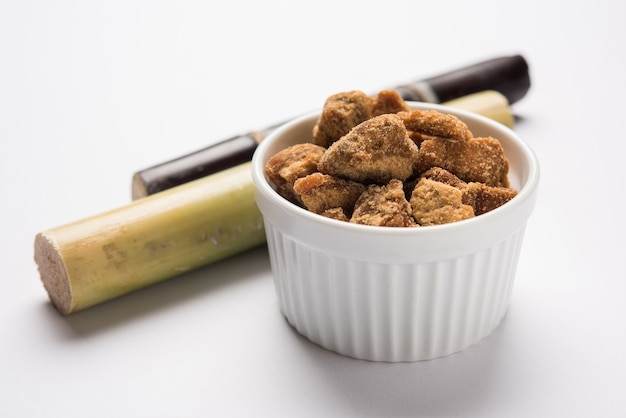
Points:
(506, 75)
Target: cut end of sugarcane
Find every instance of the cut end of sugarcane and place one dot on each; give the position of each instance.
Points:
(488, 103)
(138, 189)
(53, 273)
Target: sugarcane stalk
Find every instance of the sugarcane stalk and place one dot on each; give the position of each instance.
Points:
(102, 257)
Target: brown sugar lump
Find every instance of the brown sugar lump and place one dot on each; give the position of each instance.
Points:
(479, 160)
(436, 203)
(485, 198)
(321, 192)
(389, 101)
(375, 151)
(291, 163)
(341, 112)
(443, 176)
(383, 206)
(480, 197)
(431, 123)
(336, 213)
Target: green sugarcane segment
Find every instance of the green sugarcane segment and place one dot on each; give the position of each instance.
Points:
(152, 239)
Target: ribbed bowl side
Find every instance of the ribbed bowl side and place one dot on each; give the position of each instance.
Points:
(392, 312)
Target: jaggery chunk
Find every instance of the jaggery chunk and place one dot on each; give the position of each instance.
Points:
(375, 151)
(479, 160)
(485, 198)
(341, 113)
(443, 176)
(336, 213)
(480, 197)
(320, 192)
(436, 203)
(435, 124)
(289, 164)
(383, 206)
(389, 101)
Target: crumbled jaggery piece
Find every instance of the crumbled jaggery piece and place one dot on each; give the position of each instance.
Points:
(320, 192)
(375, 151)
(336, 213)
(443, 176)
(389, 101)
(436, 124)
(485, 198)
(436, 203)
(289, 164)
(341, 113)
(480, 197)
(383, 206)
(479, 160)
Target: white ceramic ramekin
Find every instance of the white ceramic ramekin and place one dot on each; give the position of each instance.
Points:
(395, 294)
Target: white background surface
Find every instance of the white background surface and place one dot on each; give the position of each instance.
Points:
(91, 92)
